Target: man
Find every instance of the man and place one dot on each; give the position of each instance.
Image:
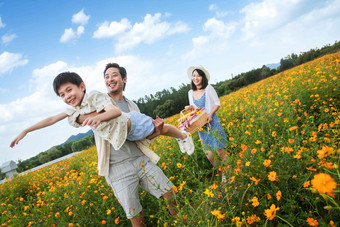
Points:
(133, 164)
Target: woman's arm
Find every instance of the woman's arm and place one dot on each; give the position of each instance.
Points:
(110, 112)
(214, 110)
(44, 123)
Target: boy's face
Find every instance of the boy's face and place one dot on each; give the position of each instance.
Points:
(113, 80)
(72, 94)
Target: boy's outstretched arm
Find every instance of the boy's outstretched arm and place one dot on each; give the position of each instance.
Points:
(44, 123)
(110, 112)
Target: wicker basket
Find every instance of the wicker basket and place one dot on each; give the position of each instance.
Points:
(198, 122)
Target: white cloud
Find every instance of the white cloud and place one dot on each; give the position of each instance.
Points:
(269, 15)
(106, 30)
(149, 31)
(8, 61)
(219, 13)
(2, 25)
(216, 39)
(6, 39)
(70, 34)
(80, 18)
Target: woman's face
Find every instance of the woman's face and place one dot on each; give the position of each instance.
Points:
(197, 79)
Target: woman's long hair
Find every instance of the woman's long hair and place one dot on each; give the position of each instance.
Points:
(204, 80)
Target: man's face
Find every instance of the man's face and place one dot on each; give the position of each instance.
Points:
(113, 80)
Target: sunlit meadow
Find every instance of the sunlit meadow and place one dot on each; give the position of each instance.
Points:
(282, 168)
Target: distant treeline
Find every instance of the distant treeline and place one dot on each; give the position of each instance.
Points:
(55, 152)
(169, 102)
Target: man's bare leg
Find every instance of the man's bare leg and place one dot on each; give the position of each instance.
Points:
(138, 221)
(169, 196)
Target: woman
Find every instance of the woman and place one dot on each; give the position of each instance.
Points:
(201, 95)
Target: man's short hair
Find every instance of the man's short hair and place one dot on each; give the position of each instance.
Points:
(66, 77)
(122, 70)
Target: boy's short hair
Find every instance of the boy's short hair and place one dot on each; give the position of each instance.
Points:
(122, 70)
(66, 77)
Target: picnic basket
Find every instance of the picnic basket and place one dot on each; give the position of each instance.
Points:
(193, 121)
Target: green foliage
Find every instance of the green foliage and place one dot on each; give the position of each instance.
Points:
(165, 109)
(2, 175)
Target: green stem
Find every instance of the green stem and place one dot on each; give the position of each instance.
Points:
(284, 220)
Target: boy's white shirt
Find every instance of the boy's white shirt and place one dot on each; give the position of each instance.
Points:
(211, 98)
(103, 146)
(114, 130)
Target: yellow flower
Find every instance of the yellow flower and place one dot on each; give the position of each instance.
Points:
(324, 183)
(108, 212)
(179, 165)
(274, 134)
(312, 222)
(247, 163)
(209, 193)
(271, 212)
(174, 188)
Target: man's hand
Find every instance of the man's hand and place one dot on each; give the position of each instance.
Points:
(82, 118)
(159, 123)
(92, 121)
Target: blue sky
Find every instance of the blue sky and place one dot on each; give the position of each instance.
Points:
(156, 41)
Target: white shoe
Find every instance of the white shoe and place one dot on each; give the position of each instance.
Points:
(188, 144)
(180, 143)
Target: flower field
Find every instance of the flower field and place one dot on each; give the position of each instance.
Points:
(282, 169)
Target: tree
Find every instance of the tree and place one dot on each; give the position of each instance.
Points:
(165, 110)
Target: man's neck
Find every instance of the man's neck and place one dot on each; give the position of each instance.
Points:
(116, 96)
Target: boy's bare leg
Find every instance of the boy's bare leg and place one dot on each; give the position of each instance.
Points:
(170, 130)
(169, 196)
(138, 221)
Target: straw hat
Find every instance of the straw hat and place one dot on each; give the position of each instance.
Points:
(192, 68)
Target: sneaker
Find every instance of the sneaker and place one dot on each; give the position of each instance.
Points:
(188, 144)
(224, 179)
(179, 141)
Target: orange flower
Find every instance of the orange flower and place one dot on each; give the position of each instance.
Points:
(312, 222)
(103, 222)
(117, 221)
(274, 134)
(278, 195)
(255, 180)
(255, 201)
(324, 183)
(267, 162)
(293, 128)
(252, 219)
(272, 176)
(271, 212)
(306, 184)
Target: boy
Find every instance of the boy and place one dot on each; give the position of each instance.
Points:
(111, 124)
